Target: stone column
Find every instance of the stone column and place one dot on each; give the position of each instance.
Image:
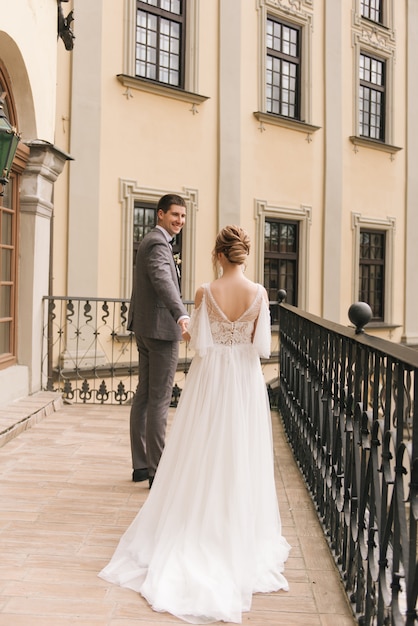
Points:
(229, 191)
(45, 164)
(333, 192)
(411, 216)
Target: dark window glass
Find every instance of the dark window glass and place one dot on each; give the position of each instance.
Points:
(281, 261)
(145, 219)
(372, 271)
(160, 35)
(283, 69)
(372, 98)
(372, 10)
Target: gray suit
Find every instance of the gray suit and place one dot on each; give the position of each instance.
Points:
(156, 306)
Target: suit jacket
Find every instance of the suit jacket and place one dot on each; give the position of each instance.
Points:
(156, 303)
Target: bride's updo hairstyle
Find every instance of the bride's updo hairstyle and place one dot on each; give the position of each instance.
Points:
(234, 243)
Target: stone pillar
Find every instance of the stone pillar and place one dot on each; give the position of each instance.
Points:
(333, 192)
(45, 164)
(229, 191)
(411, 217)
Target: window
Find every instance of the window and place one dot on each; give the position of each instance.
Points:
(281, 260)
(160, 41)
(373, 264)
(8, 258)
(138, 205)
(372, 97)
(144, 220)
(282, 69)
(9, 235)
(372, 271)
(372, 10)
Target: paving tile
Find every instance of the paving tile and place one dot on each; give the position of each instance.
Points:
(67, 496)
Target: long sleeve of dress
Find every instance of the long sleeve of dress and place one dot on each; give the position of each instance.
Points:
(262, 335)
(199, 328)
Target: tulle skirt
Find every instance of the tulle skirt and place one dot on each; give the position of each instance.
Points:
(209, 533)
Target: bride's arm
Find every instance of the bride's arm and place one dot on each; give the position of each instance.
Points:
(197, 302)
(262, 332)
(266, 300)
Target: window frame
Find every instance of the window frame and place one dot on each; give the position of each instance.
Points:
(11, 191)
(10, 357)
(360, 223)
(179, 19)
(303, 216)
(283, 58)
(299, 15)
(366, 84)
(283, 256)
(190, 91)
(363, 263)
(177, 243)
(378, 41)
(129, 193)
(367, 17)
(144, 206)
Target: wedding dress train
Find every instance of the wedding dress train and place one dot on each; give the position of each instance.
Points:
(209, 533)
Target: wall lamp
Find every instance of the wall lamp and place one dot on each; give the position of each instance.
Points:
(9, 139)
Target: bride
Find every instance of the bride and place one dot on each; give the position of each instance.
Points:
(209, 534)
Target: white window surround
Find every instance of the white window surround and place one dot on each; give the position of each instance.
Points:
(300, 14)
(361, 222)
(379, 41)
(128, 78)
(302, 215)
(129, 192)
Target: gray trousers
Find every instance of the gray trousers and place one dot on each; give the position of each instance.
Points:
(148, 418)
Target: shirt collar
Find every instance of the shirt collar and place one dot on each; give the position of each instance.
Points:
(166, 234)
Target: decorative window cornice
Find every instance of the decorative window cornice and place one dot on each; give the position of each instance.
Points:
(142, 84)
(378, 37)
(286, 122)
(291, 7)
(366, 142)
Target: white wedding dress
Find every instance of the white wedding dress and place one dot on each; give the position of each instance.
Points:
(209, 533)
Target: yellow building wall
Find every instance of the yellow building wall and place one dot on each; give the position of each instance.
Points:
(226, 155)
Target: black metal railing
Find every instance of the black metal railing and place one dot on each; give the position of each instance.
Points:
(88, 353)
(349, 403)
(89, 356)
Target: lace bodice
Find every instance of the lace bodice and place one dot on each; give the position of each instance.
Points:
(230, 333)
(210, 327)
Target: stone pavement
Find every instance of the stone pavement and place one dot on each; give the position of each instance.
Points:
(66, 497)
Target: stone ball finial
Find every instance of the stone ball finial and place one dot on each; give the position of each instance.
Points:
(360, 314)
(281, 295)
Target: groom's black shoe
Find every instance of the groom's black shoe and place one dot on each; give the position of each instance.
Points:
(150, 480)
(138, 475)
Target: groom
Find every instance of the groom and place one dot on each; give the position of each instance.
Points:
(158, 318)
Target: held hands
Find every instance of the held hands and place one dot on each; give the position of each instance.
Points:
(184, 323)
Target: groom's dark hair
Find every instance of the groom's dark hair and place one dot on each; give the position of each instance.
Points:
(166, 201)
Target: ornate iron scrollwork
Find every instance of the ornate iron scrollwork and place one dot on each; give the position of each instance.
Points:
(64, 26)
(349, 404)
